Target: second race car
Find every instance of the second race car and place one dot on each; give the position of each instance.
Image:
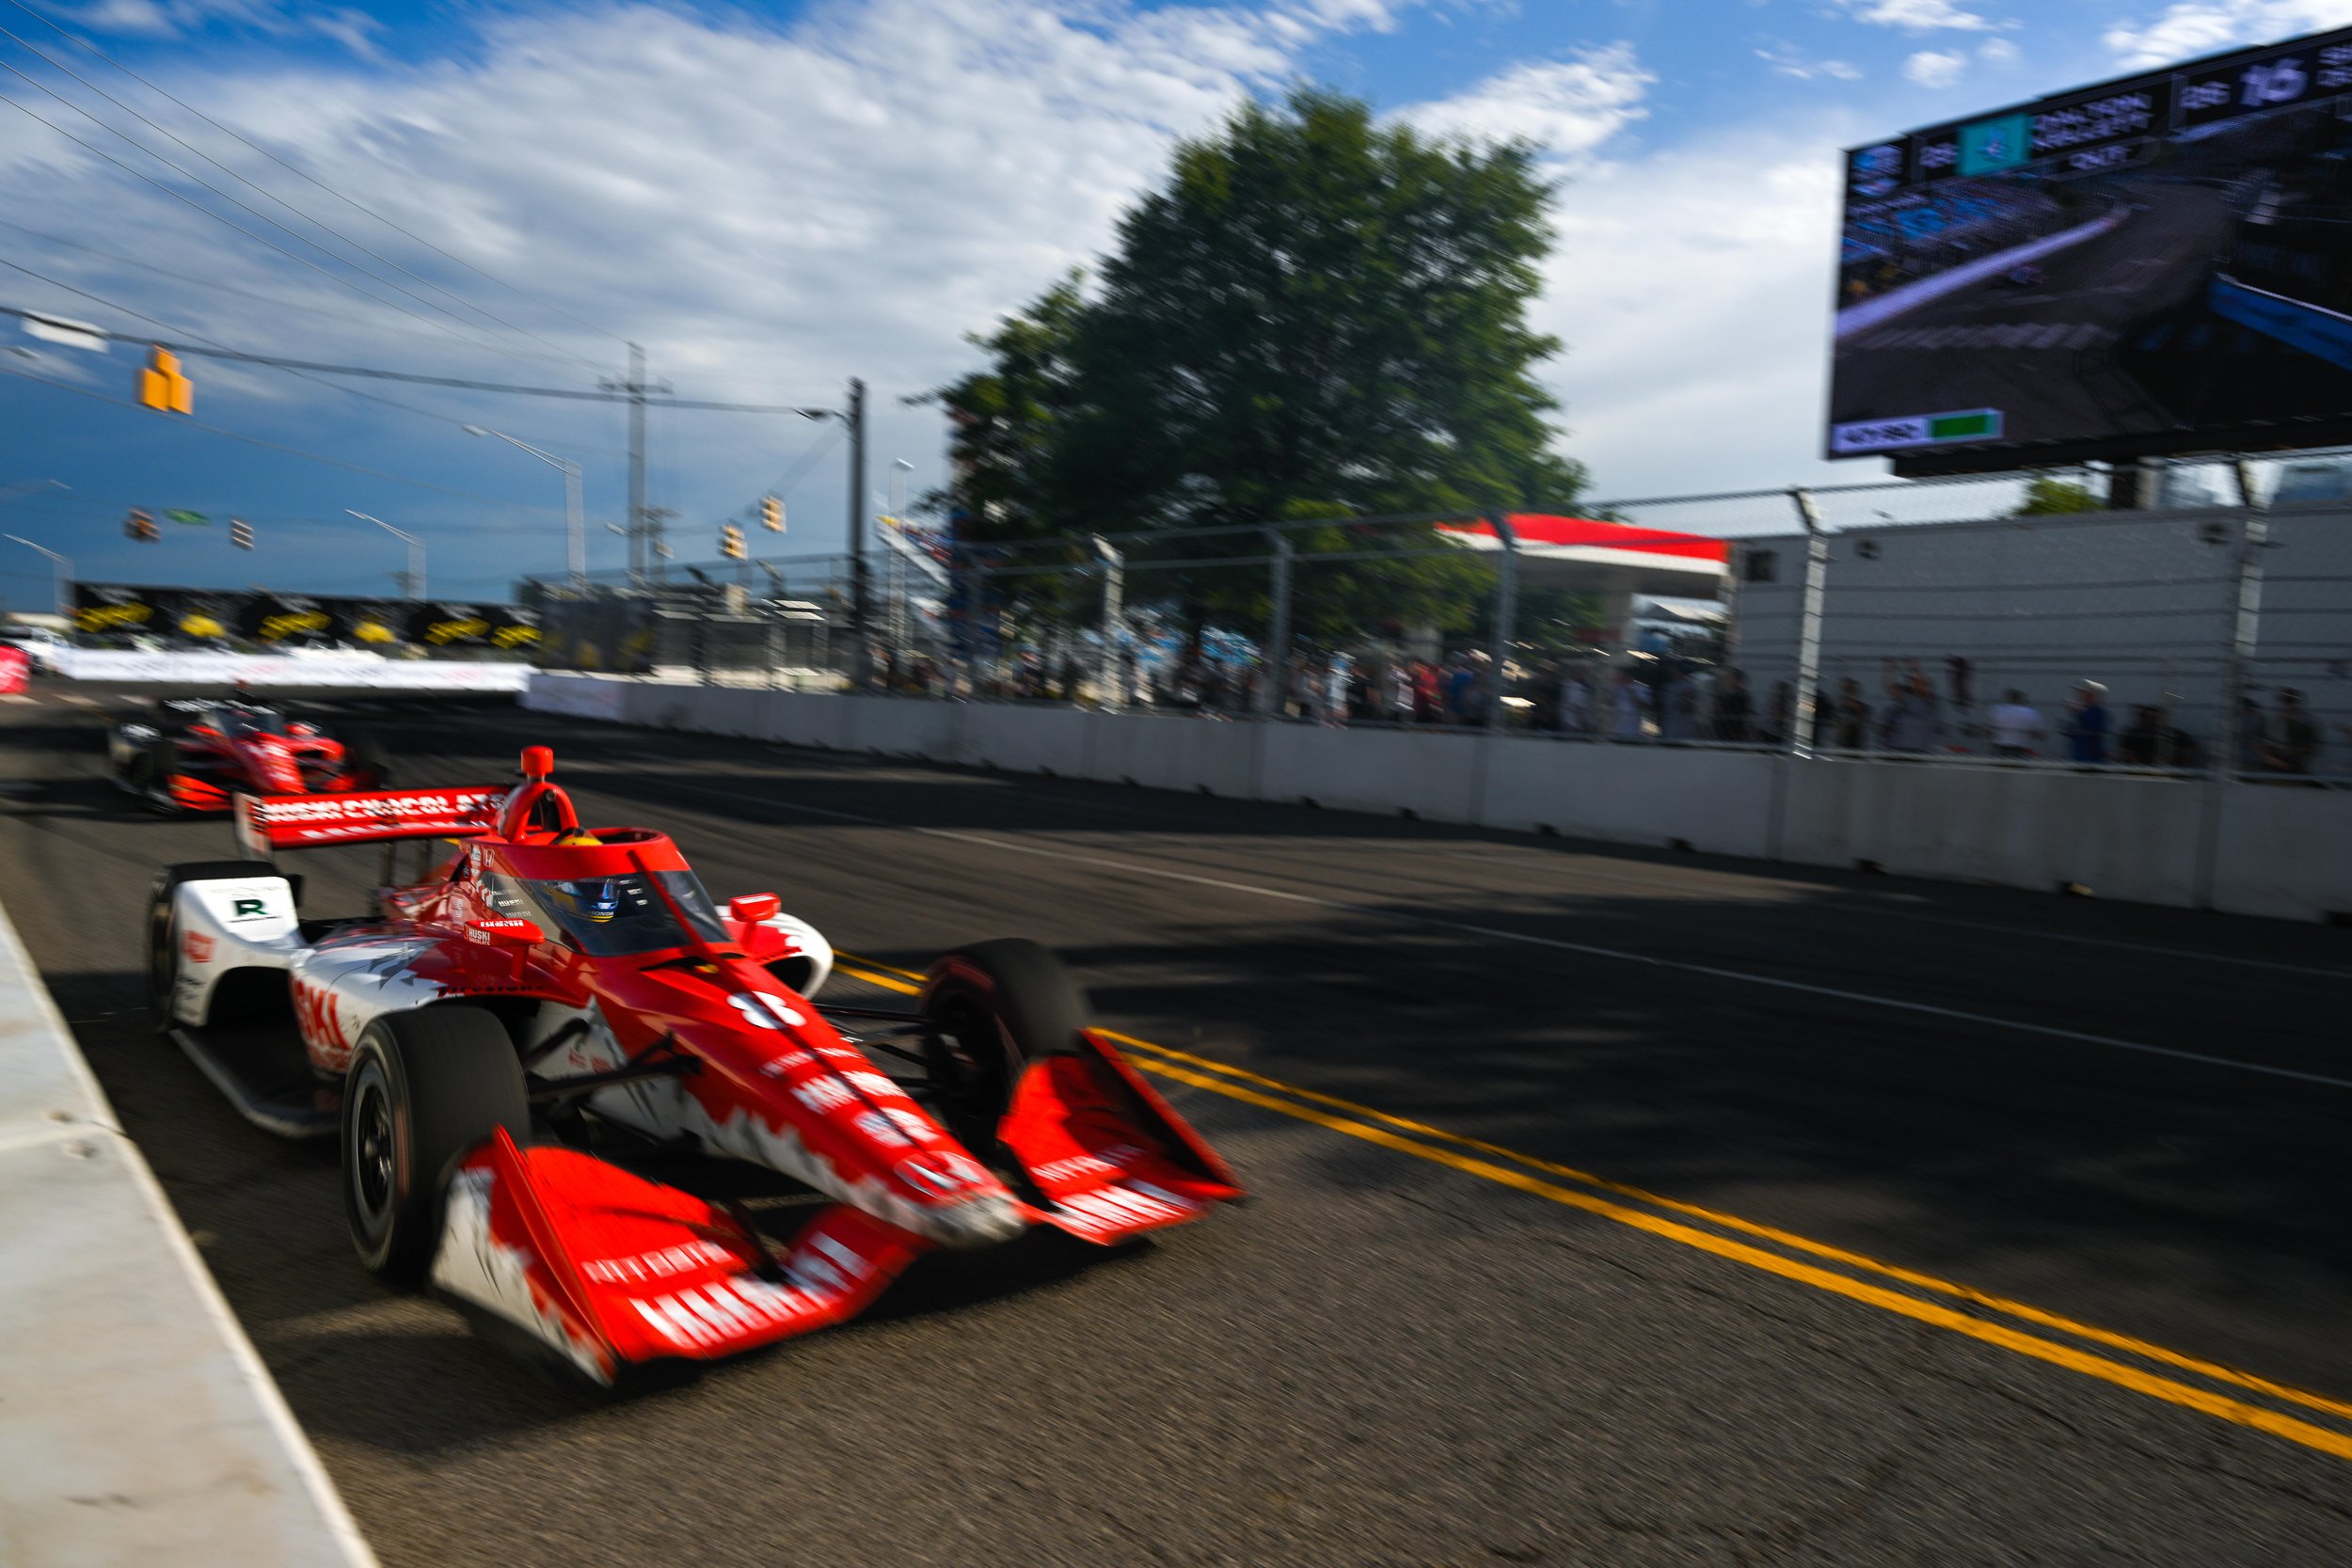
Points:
(195, 753)
(552, 994)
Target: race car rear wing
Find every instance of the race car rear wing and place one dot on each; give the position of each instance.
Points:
(267, 823)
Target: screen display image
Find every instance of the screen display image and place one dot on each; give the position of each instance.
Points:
(2157, 264)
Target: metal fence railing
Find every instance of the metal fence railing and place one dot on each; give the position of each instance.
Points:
(1929, 620)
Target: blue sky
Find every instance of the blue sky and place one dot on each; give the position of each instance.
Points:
(773, 199)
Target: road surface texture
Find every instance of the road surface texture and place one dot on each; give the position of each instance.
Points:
(1613, 1207)
(2045, 354)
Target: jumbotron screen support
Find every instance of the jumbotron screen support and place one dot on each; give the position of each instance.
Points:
(2156, 265)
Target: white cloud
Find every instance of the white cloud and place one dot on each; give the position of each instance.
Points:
(2196, 27)
(1568, 108)
(1998, 52)
(1917, 16)
(1932, 70)
(769, 210)
(1693, 289)
(1788, 60)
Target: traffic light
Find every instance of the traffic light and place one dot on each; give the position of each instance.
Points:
(771, 513)
(141, 527)
(241, 534)
(162, 387)
(731, 543)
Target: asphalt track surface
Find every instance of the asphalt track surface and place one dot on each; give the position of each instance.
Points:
(2044, 356)
(1810, 1218)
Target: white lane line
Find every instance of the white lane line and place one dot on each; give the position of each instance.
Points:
(1649, 961)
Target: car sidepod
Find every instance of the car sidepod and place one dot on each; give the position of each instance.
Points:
(227, 924)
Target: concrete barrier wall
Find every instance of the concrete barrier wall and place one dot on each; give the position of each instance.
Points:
(2120, 836)
(2278, 851)
(1163, 751)
(1429, 774)
(1719, 802)
(2284, 852)
(138, 1424)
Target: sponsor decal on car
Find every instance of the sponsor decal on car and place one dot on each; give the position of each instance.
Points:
(681, 1259)
(762, 1011)
(198, 946)
(248, 908)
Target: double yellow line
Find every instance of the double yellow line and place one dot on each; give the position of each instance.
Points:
(2116, 1358)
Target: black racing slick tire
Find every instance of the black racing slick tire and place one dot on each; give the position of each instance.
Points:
(163, 932)
(163, 766)
(995, 1008)
(422, 1090)
(366, 763)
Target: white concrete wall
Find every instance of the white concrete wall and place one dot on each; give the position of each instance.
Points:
(2280, 851)
(127, 1379)
(2284, 850)
(2120, 836)
(1431, 775)
(1168, 752)
(1719, 802)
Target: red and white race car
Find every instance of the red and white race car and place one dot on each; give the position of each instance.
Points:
(194, 754)
(551, 989)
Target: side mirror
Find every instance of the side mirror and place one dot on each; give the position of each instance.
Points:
(752, 908)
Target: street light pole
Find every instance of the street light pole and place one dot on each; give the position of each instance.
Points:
(416, 551)
(62, 568)
(574, 540)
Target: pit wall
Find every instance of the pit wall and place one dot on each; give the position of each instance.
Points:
(2262, 849)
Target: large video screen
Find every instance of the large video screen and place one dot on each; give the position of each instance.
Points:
(2157, 264)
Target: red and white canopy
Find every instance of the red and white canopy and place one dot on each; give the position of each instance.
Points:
(1588, 556)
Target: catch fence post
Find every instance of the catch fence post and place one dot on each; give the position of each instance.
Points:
(1506, 613)
(1808, 624)
(2244, 633)
(1276, 689)
(1112, 700)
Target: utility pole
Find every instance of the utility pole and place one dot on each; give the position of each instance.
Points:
(637, 530)
(644, 529)
(856, 416)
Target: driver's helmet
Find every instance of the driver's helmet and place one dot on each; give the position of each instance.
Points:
(578, 838)
(597, 899)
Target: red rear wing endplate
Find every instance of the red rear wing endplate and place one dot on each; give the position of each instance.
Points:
(271, 822)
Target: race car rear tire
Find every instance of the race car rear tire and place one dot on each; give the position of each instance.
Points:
(163, 766)
(995, 1008)
(366, 763)
(423, 1089)
(163, 932)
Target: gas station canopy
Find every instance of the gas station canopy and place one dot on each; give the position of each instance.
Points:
(1586, 555)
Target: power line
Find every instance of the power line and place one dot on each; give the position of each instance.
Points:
(238, 357)
(288, 206)
(121, 259)
(298, 173)
(305, 375)
(186, 423)
(192, 202)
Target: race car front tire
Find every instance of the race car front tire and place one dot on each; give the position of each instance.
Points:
(995, 1008)
(162, 930)
(423, 1089)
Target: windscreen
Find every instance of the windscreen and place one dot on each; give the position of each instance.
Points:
(239, 721)
(604, 916)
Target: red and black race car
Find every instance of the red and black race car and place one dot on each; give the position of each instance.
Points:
(553, 989)
(194, 754)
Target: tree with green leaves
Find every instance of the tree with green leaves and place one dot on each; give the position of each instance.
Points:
(1315, 315)
(2046, 497)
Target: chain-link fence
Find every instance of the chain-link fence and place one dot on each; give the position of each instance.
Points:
(1928, 620)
